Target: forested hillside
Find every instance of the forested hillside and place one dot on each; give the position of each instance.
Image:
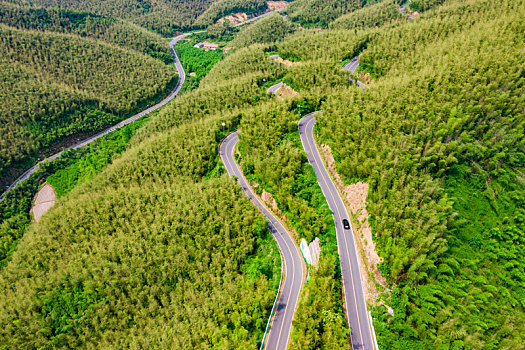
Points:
(162, 16)
(87, 25)
(180, 258)
(375, 15)
(321, 12)
(221, 8)
(57, 85)
(266, 30)
(439, 139)
(161, 249)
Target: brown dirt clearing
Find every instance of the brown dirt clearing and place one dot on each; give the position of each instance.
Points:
(44, 200)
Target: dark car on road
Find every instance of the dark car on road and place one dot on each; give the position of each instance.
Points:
(346, 224)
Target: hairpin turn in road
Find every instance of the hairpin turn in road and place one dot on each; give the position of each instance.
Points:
(281, 324)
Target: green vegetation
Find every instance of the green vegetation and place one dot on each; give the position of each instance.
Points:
(87, 25)
(424, 5)
(196, 61)
(319, 322)
(272, 156)
(74, 167)
(437, 123)
(54, 86)
(161, 250)
(380, 14)
(321, 12)
(177, 256)
(99, 154)
(162, 16)
(222, 8)
(265, 30)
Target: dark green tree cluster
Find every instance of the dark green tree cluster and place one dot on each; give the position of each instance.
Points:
(162, 16)
(196, 62)
(424, 5)
(54, 86)
(319, 322)
(266, 30)
(223, 8)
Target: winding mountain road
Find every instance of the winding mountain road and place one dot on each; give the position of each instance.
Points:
(173, 93)
(355, 303)
(351, 67)
(258, 17)
(281, 325)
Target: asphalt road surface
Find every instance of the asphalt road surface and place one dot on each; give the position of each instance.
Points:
(352, 65)
(174, 92)
(258, 17)
(273, 89)
(357, 314)
(281, 325)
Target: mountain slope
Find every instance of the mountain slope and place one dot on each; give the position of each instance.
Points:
(57, 85)
(86, 25)
(162, 16)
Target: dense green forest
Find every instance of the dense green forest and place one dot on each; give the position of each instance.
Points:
(86, 25)
(206, 277)
(161, 249)
(54, 86)
(162, 16)
(266, 30)
(204, 272)
(321, 12)
(375, 15)
(196, 62)
(222, 8)
(445, 172)
(63, 173)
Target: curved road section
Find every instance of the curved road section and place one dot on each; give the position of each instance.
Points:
(360, 331)
(351, 67)
(279, 333)
(173, 93)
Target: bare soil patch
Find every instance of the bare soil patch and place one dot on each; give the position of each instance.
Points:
(355, 196)
(364, 77)
(44, 200)
(234, 19)
(287, 62)
(287, 92)
(276, 5)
